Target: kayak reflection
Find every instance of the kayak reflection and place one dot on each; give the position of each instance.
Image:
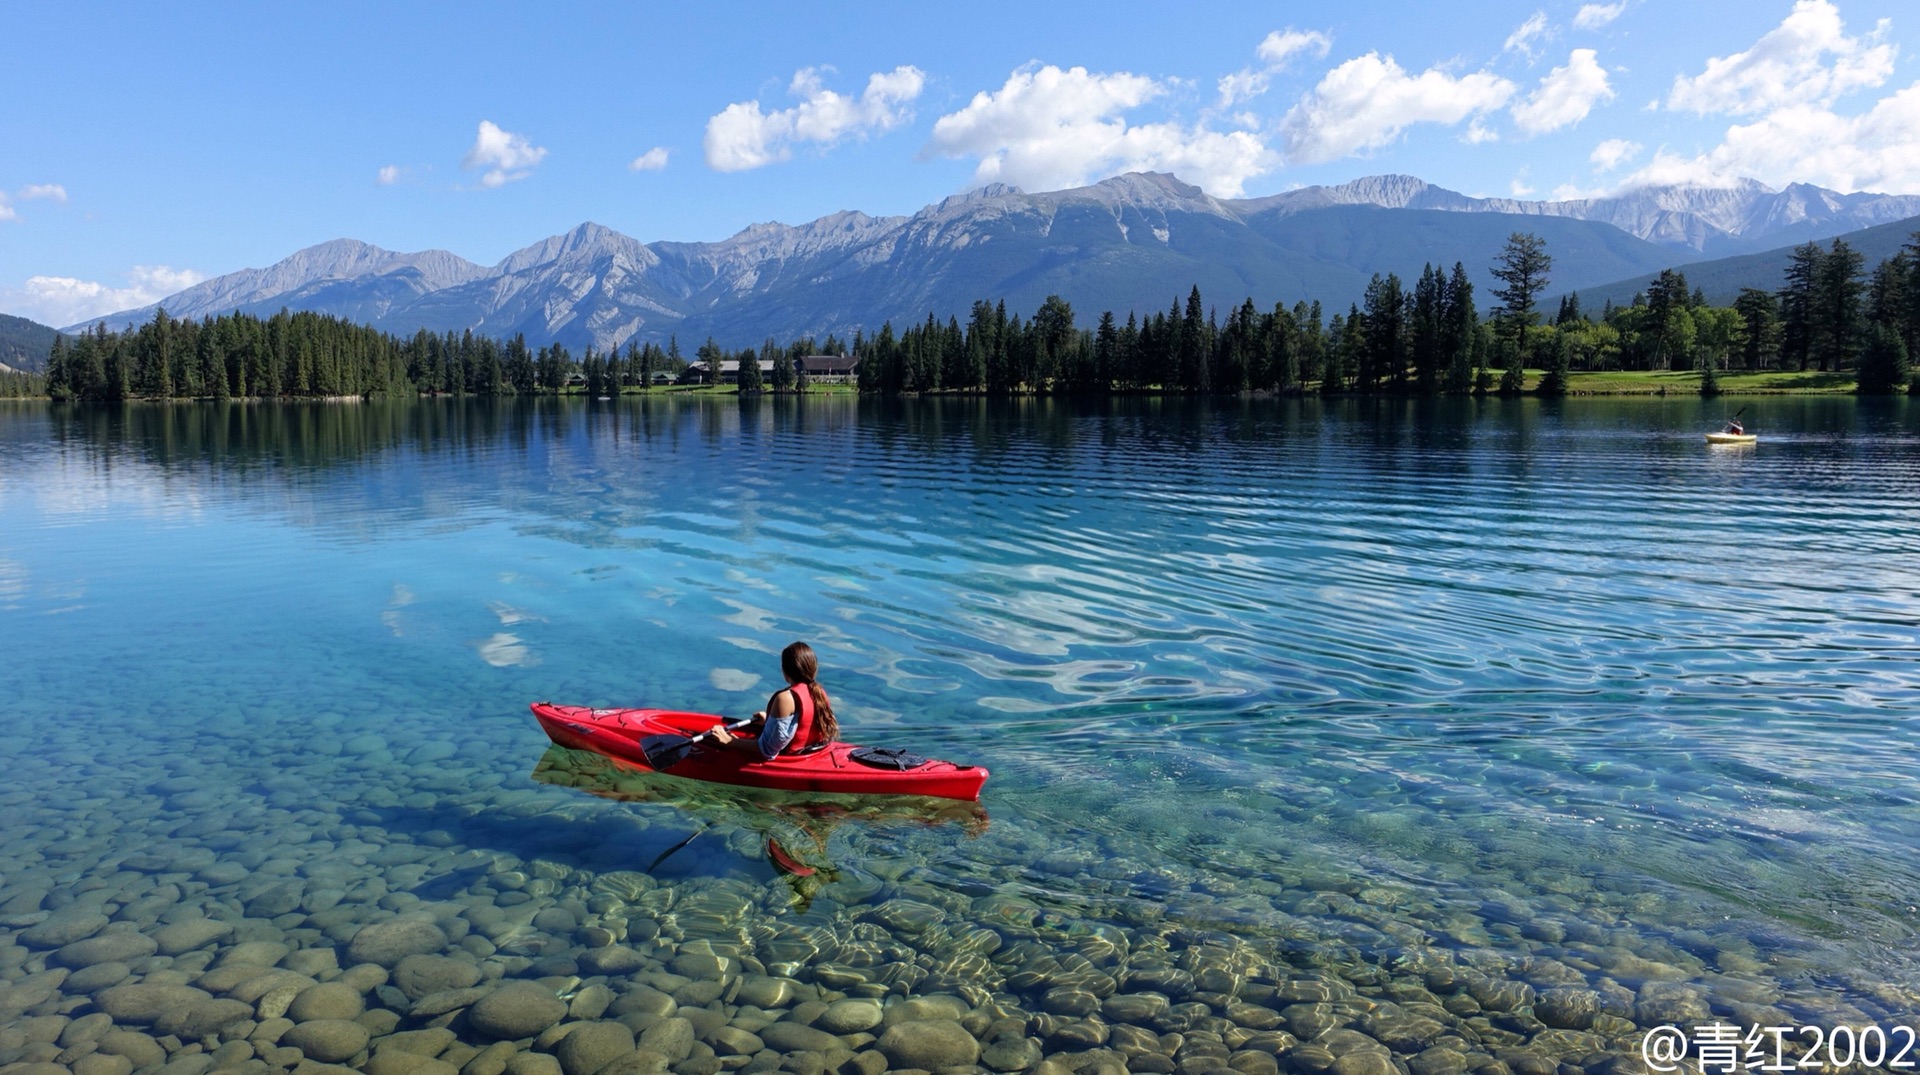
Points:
(794, 825)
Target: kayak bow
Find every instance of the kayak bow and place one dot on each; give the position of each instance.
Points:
(619, 734)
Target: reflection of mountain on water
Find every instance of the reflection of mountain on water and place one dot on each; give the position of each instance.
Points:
(794, 827)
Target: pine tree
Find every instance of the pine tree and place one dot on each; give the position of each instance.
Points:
(711, 354)
(1522, 271)
(1797, 303)
(785, 363)
(1193, 348)
(1909, 328)
(751, 379)
(1381, 353)
(1884, 367)
(1837, 305)
(1759, 328)
(1889, 300)
(1709, 377)
(1569, 309)
(1554, 361)
(1459, 330)
(520, 373)
(1106, 349)
(59, 382)
(1429, 306)
(1665, 314)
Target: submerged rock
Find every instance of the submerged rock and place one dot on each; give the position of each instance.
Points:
(387, 943)
(143, 1004)
(516, 1010)
(329, 1041)
(64, 928)
(929, 1044)
(329, 1000)
(592, 1046)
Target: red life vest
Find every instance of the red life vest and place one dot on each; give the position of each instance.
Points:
(803, 726)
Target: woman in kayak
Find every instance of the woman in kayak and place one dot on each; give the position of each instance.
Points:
(1734, 427)
(798, 718)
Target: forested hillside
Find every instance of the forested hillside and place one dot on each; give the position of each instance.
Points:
(24, 344)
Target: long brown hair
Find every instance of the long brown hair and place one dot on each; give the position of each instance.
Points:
(799, 665)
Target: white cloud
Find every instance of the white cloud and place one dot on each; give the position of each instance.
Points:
(52, 192)
(1565, 96)
(1808, 60)
(741, 136)
(506, 156)
(391, 174)
(1244, 84)
(66, 300)
(1522, 39)
(1594, 16)
(1614, 152)
(1878, 150)
(1368, 101)
(1275, 51)
(651, 161)
(1279, 46)
(1047, 129)
(1519, 186)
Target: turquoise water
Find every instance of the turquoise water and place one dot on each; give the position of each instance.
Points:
(1464, 701)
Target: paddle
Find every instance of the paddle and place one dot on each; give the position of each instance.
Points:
(666, 751)
(663, 855)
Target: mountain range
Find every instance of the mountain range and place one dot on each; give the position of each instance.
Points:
(1135, 242)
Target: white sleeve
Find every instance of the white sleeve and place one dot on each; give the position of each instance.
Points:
(776, 734)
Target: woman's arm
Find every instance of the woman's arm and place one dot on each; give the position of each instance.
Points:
(780, 726)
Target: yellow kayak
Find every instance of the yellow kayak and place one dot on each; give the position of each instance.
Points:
(1731, 438)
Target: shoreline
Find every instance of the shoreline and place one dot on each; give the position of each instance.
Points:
(1611, 385)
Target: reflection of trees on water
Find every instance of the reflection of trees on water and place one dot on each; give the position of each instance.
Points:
(964, 431)
(794, 828)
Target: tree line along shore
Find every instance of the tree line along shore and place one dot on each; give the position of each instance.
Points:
(1832, 326)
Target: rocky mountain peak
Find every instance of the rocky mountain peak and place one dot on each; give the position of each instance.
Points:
(585, 244)
(1386, 191)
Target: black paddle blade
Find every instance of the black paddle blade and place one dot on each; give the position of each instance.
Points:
(666, 751)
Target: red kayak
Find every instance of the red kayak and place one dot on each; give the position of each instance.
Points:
(632, 735)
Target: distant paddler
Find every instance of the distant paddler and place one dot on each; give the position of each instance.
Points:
(1733, 432)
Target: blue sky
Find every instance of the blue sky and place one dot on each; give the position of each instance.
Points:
(150, 146)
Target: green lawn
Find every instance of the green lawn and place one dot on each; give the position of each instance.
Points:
(1644, 383)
